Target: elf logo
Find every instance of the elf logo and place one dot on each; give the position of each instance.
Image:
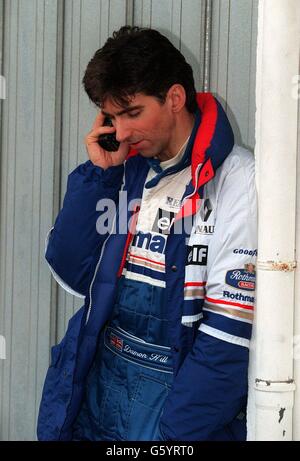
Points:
(163, 221)
(197, 254)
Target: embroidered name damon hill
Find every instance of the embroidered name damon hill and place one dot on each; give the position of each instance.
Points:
(141, 355)
(117, 343)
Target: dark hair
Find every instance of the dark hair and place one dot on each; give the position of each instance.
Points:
(137, 60)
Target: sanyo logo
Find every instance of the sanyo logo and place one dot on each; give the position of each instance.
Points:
(2, 348)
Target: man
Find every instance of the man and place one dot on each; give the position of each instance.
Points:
(159, 351)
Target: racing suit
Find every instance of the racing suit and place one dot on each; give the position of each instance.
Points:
(173, 299)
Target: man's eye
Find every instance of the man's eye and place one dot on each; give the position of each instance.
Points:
(133, 114)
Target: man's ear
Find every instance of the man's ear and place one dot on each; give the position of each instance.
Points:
(176, 97)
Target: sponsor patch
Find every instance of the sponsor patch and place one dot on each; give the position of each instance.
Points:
(206, 210)
(250, 268)
(242, 279)
(116, 342)
(148, 241)
(204, 229)
(197, 254)
(163, 221)
(173, 202)
(245, 251)
(238, 296)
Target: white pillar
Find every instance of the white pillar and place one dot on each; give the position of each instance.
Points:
(271, 378)
(296, 340)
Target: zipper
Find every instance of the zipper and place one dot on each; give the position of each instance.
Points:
(105, 242)
(129, 239)
(196, 186)
(102, 251)
(129, 335)
(188, 196)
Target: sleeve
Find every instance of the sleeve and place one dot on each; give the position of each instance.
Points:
(73, 245)
(211, 386)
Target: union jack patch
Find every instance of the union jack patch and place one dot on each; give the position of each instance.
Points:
(116, 342)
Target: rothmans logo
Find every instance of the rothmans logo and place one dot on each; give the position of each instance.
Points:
(242, 279)
(238, 296)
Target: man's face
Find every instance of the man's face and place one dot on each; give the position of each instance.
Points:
(145, 124)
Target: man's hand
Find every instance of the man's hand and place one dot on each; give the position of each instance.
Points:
(96, 153)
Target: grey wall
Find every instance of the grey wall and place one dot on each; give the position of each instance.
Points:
(45, 116)
(233, 63)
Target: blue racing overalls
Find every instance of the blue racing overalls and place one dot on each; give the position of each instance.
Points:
(132, 372)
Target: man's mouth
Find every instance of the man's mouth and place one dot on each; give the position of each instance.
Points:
(135, 143)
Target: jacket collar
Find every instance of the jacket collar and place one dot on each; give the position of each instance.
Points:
(185, 160)
(211, 141)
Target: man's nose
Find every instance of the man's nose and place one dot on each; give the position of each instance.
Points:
(123, 131)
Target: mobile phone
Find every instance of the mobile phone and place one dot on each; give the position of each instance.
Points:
(108, 141)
